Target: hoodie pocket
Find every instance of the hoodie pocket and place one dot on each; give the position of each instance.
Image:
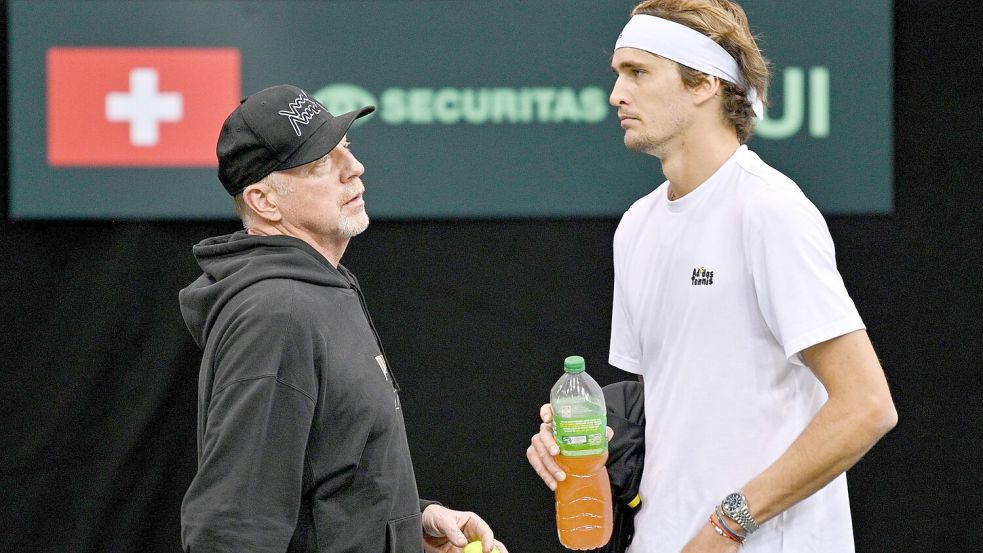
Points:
(405, 534)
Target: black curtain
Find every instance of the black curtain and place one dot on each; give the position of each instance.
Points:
(99, 373)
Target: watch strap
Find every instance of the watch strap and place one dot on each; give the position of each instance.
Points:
(735, 507)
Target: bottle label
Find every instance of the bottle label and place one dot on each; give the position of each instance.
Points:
(579, 436)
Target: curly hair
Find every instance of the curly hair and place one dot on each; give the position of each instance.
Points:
(726, 23)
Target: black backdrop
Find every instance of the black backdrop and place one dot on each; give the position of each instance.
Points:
(99, 373)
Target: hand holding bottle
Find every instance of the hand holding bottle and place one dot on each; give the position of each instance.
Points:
(543, 450)
(573, 464)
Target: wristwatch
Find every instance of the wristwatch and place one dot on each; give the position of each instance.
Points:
(735, 507)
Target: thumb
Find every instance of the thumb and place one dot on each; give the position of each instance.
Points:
(610, 433)
(487, 543)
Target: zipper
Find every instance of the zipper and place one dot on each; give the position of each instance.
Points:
(378, 341)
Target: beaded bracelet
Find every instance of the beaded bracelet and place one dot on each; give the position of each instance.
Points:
(725, 533)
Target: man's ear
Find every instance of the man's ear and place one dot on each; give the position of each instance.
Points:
(262, 200)
(709, 87)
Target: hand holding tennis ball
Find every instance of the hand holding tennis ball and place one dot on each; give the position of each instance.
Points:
(475, 547)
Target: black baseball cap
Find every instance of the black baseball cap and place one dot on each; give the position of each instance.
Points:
(275, 129)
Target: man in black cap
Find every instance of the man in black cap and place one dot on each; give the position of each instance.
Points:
(301, 440)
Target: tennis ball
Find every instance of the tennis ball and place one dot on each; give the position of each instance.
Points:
(475, 547)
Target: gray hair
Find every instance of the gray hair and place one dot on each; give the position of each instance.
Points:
(276, 181)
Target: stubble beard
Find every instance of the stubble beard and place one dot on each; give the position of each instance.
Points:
(638, 143)
(353, 225)
(350, 226)
(645, 144)
(657, 145)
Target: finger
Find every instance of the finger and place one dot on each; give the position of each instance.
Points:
(477, 528)
(610, 433)
(547, 455)
(446, 523)
(535, 461)
(431, 520)
(501, 547)
(543, 442)
(455, 535)
(548, 449)
(546, 412)
(547, 439)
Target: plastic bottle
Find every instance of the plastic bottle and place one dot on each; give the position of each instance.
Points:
(584, 517)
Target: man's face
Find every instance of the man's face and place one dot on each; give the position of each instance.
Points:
(325, 198)
(651, 99)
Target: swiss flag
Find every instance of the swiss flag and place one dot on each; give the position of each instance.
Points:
(159, 107)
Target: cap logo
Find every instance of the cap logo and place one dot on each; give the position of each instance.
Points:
(302, 110)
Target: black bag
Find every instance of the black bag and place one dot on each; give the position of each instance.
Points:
(626, 456)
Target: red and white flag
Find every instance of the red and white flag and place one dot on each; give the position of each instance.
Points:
(152, 107)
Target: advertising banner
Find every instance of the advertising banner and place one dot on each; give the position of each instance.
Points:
(485, 109)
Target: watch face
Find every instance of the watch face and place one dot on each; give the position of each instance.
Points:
(732, 503)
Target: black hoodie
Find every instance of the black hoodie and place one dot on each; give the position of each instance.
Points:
(301, 441)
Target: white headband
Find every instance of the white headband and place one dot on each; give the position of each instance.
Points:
(685, 46)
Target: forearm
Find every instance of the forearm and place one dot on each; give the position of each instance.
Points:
(840, 434)
(859, 411)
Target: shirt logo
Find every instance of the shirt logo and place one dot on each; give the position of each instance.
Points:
(302, 110)
(702, 277)
(128, 107)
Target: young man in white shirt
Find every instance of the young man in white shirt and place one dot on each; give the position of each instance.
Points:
(761, 385)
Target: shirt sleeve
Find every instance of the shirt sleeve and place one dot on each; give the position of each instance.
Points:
(247, 493)
(625, 351)
(800, 293)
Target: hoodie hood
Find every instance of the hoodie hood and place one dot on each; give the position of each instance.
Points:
(236, 261)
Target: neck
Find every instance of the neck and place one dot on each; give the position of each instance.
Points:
(331, 249)
(695, 157)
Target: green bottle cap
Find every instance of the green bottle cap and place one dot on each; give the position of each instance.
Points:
(573, 364)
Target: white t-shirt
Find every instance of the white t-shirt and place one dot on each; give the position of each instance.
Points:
(715, 295)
